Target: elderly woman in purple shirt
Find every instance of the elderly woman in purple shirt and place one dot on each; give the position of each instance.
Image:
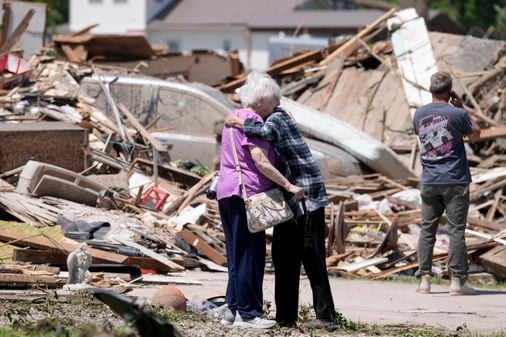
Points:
(246, 251)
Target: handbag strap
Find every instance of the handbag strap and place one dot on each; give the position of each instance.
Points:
(238, 166)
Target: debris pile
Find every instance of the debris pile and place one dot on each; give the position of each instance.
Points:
(97, 153)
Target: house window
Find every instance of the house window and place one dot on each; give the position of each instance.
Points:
(95, 2)
(226, 45)
(173, 45)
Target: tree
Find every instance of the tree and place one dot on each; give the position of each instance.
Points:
(57, 11)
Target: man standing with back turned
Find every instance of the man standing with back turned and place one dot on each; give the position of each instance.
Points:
(441, 128)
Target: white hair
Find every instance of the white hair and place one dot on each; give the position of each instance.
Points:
(258, 85)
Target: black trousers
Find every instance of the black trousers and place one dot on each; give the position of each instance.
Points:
(297, 242)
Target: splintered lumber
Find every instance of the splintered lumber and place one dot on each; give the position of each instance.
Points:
(173, 173)
(155, 143)
(183, 201)
(16, 34)
(44, 243)
(353, 267)
(59, 259)
(477, 109)
(202, 246)
(492, 133)
(84, 30)
(277, 68)
(435, 258)
(486, 236)
(485, 224)
(322, 93)
(148, 252)
(6, 19)
(348, 48)
(494, 261)
(21, 280)
(27, 269)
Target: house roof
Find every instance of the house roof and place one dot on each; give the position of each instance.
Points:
(260, 14)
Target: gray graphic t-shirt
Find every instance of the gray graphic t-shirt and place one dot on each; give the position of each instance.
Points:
(441, 128)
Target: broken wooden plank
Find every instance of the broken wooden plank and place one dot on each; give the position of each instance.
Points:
(477, 109)
(277, 68)
(494, 261)
(71, 55)
(21, 280)
(173, 173)
(203, 247)
(59, 259)
(16, 34)
(155, 143)
(492, 133)
(6, 20)
(347, 48)
(353, 267)
(485, 236)
(148, 252)
(44, 243)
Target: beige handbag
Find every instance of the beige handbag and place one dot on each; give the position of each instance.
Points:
(263, 210)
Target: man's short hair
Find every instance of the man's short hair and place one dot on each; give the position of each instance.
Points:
(440, 82)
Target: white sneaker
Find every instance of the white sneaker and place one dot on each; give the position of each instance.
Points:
(458, 287)
(255, 323)
(424, 285)
(228, 317)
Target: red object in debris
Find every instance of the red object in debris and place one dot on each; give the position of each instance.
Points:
(154, 198)
(16, 68)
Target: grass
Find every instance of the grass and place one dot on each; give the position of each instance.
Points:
(58, 319)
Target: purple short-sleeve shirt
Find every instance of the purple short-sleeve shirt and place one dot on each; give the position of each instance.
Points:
(254, 180)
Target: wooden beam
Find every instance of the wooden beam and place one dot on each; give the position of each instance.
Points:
(70, 54)
(59, 259)
(278, 67)
(346, 49)
(85, 30)
(155, 143)
(44, 243)
(16, 34)
(21, 281)
(6, 20)
(477, 109)
(492, 133)
(148, 252)
(203, 247)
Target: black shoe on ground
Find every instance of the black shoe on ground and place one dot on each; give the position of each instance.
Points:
(321, 324)
(287, 324)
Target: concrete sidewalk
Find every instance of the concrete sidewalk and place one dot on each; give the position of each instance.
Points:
(379, 302)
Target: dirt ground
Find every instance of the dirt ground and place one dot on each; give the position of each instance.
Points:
(368, 309)
(382, 303)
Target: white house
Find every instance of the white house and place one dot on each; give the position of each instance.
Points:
(223, 25)
(115, 16)
(247, 25)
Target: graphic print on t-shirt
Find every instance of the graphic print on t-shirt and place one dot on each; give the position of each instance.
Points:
(435, 137)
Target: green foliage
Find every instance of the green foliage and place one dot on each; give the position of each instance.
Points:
(500, 22)
(57, 11)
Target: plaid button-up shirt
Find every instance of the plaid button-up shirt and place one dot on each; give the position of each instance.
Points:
(294, 159)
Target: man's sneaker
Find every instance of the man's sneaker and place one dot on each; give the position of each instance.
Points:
(320, 324)
(459, 287)
(255, 323)
(424, 285)
(228, 317)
